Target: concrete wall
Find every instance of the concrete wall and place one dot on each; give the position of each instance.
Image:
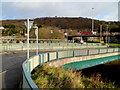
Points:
(61, 62)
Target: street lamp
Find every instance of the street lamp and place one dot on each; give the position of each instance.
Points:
(100, 33)
(107, 35)
(36, 33)
(109, 32)
(28, 24)
(92, 22)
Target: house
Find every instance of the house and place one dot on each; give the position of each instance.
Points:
(1, 28)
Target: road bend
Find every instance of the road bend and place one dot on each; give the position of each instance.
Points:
(11, 74)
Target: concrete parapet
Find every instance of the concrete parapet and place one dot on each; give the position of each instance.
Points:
(60, 62)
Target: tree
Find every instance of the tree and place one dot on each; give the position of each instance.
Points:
(12, 30)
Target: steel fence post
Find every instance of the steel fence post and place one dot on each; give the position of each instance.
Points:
(113, 49)
(57, 56)
(28, 66)
(73, 53)
(41, 58)
(107, 50)
(88, 52)
(48, 57)
(99, 51)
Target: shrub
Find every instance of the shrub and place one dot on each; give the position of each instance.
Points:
(52, 77)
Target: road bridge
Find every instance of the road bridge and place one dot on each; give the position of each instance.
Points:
(59, 58)
(11, 74)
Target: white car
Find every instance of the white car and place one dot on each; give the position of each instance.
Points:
(81, 41)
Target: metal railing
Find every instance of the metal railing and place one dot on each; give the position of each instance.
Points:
(34, 61)
(48, 46)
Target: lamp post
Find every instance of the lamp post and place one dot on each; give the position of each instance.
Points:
(28, 24)
(107, 35)
(100, 33)
(109, 32)
(36, 33)
(92, 22)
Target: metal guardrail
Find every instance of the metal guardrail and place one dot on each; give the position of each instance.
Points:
(24, 40)
(48, 46)
(34, 61)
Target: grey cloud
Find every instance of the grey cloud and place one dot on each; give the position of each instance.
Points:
(38, 9)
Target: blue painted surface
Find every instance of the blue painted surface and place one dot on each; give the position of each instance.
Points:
(89, 63)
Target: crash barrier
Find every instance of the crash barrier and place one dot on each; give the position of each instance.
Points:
(36, 60)
(24, 40)
(48, 46)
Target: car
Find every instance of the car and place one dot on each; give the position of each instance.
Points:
(79, 41)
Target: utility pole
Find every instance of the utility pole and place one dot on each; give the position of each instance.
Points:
(36, 33)
(107, 35)
(100, 33)
(92, 22)
(28, 29)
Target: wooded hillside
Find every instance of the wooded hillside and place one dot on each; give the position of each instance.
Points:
(78, 24)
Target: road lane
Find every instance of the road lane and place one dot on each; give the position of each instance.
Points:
(11, 73)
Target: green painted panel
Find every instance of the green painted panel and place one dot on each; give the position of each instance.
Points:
(89, 63)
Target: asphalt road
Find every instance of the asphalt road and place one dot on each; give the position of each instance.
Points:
(11, 74)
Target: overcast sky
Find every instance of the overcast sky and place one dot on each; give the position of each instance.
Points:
(107, 11)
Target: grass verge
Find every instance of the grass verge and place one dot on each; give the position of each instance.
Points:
(114, 44)
(50, 77)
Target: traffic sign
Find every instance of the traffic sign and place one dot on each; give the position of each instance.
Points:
(30, 24)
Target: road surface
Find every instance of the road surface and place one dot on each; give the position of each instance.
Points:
(11, 74)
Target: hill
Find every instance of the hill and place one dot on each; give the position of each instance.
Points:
(15, 27)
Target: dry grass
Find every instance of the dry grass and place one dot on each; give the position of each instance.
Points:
(48, 32)
(49, 77)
